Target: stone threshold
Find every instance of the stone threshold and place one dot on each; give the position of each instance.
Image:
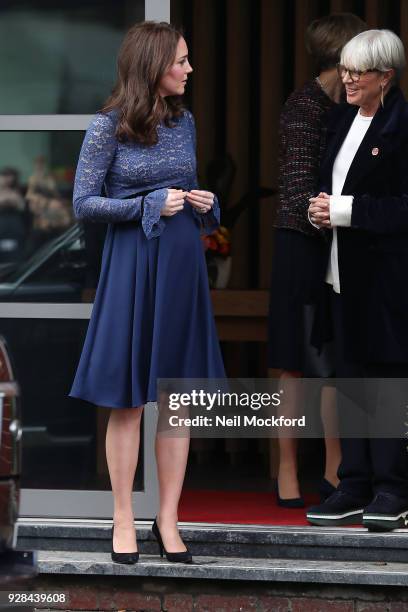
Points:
(223, 540)
(228, 568)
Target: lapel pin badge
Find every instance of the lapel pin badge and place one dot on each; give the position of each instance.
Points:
(375, 151)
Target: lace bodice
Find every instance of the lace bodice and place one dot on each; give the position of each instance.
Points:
(123, 169)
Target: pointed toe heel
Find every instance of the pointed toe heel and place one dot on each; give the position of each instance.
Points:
(126, 558)
(173, 557)
(292, 504)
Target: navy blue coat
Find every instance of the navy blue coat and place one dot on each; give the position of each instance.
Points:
(373, 252)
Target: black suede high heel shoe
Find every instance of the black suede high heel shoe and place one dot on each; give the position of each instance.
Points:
(173, 557)
(292, 503)
(128, 558)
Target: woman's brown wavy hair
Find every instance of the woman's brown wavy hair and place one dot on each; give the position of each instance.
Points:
(147, 51)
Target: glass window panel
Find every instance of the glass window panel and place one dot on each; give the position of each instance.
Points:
(60, 57)
(45, 255)
(63, 438)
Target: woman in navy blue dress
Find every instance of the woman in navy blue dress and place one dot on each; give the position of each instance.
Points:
(152, 316)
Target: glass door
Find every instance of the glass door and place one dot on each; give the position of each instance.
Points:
(49, 263)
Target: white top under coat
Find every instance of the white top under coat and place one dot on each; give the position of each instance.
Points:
(341, 205)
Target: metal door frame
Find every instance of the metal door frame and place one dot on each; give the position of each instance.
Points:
(63, 503)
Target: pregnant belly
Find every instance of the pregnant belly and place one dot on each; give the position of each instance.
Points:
(181, 258)
(181, 232)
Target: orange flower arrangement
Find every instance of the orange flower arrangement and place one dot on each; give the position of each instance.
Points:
(218, 243)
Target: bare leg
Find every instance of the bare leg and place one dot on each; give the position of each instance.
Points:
(122, 451)
(171, 456)
(328, 411)
(288, 483)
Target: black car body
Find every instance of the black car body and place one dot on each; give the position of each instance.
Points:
(15, 566)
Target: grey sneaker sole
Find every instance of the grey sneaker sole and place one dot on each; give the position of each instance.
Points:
(385, 522)
(354, 517)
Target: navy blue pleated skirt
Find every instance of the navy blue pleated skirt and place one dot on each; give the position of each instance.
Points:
(152, 317)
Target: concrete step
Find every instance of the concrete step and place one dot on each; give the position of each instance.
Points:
(228, 568)
(221, 540)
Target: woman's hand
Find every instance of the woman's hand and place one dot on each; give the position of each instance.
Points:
(319, 210)
(174, 202)
(202, 201)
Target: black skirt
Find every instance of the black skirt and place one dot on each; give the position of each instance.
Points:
(295, 286)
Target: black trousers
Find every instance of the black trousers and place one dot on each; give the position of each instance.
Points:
(369, 465)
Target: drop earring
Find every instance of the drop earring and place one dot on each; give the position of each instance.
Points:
(382, 95)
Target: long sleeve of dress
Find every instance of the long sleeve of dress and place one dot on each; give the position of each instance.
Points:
(97, 153)
(210, 220)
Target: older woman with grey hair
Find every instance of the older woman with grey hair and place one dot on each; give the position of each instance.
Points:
(364, 203)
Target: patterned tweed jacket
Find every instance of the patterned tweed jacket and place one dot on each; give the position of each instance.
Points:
(302, 139)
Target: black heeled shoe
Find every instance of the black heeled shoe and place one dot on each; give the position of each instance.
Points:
(127, 558)
(293, 503)
(173, 557)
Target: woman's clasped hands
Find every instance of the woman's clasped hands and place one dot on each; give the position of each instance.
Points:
(199, 199)
(319, 210)
(202, 201)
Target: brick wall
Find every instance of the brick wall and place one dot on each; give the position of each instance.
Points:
(92, 593)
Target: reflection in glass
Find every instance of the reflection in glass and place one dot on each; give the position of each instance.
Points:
(63, 439)
(60, 57)
(36, 182)
(45, 256)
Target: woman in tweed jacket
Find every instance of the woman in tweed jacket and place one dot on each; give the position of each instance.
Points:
(298, 246)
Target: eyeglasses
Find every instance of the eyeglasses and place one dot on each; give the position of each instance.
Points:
(355, 75)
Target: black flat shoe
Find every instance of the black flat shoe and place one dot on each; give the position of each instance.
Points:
(173, 557)
(127, 558)
(326, 489)
(341, 508)
(386, 512)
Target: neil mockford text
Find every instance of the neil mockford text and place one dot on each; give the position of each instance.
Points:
(236, 421)
(209, 401)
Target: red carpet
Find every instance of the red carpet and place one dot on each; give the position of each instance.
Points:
(206, 506)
